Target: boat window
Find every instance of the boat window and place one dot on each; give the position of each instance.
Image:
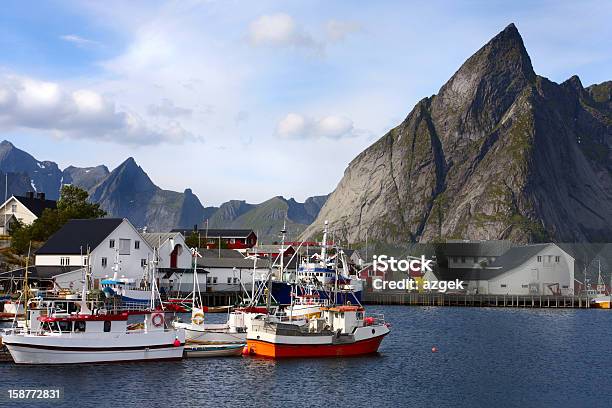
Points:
(107, 326)
(79, 326)
(359, 315)
(65, 326)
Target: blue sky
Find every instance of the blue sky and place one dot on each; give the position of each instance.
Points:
(248, 100)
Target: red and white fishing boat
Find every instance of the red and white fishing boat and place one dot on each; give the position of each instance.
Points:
(341, 331)
(90, 335)
(93, 338)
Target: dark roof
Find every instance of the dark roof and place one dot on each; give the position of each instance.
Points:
(216, 233)
(76, 235)
(511, 259)
(36, 205)
(475, 248)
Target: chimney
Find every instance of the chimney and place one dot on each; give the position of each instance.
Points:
(40, 196)
(30, 194)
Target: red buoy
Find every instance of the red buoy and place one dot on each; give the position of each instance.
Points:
(434, 349)
(176, 343)
(245, 351)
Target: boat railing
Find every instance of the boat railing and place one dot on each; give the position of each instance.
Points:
(375, 319)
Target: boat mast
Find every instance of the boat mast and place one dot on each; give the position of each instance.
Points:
(84, 285)
(324, 246)
(26, 288)
(282, 251)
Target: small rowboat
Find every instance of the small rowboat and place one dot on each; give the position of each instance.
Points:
(213, 350)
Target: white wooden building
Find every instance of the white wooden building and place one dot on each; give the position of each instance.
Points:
(540, 269)
(173, 252)
(26, 209)
(108, 240)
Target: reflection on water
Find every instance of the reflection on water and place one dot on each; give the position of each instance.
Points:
(486, 357)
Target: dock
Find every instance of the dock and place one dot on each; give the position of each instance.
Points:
(465, 300)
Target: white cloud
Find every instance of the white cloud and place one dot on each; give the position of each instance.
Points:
(78, 40)
(168, 108)
(79, 114)
(296, 126)
(280, 30)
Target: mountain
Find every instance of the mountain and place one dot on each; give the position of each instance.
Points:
(45, 176)
(87, 177)
(128, 192)
(498, 153)
(267, 218)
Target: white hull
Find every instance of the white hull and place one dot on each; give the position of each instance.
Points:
(82, 348)
(200, 334)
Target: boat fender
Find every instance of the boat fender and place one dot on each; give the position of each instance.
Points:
(177, 342)
(157, 319)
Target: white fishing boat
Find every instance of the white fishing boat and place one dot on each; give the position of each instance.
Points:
(92, 335)
(128, 290)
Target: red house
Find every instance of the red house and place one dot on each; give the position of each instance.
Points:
(271, 251)
(212, 238)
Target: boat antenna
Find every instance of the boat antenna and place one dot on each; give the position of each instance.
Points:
(282, 250)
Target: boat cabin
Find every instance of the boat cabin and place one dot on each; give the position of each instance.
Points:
(84, 324)
(312, 271)
(344, 318)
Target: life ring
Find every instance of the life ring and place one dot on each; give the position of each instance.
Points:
(157, 319)
(197, 318)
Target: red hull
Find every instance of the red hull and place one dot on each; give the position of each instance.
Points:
(266, 349)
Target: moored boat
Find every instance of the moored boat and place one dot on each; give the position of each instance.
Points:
(341, 331)
(213, 350)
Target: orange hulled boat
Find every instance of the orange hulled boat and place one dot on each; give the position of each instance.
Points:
(340, 331)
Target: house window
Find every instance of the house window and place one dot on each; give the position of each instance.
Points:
(564, 286)
(85, 261)
(463, 259)
(524, 286)
(475, 259)
(236, 281)
(209, 280)
(232, 240)
(124, 246)
(557, 259)
(503, 285)
(65, 261)
(143, 263)
(107, 326)
(229, 281)
(455, 259)
(136, 244)
(111, 243)
(104, 262)
(14, 208)
(539, 258)
(214, 280)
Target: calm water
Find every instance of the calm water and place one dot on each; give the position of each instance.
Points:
(486, 357)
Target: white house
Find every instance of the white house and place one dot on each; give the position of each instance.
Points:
(540, 269)
(26, 209)
(172, 250)
(108, 239)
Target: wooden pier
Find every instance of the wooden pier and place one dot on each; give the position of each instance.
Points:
(464, 300)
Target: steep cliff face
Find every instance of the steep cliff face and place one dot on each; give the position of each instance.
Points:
(498, 152)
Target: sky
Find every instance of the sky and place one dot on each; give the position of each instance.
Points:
(253, 99)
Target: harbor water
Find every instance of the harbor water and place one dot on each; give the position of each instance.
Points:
(484, 357)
